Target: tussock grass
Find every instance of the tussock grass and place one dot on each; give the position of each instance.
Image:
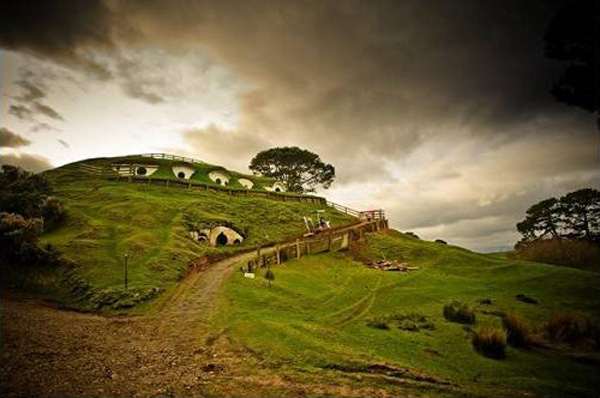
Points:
(459, 312)
(518, 333)
(573, 328)
(489, 342)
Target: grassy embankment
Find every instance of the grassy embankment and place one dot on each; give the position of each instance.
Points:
(107, 219)
(315, 318)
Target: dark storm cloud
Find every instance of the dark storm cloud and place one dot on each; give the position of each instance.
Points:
(399, 73)
(63, 30)
(30, 162)
(11, 139)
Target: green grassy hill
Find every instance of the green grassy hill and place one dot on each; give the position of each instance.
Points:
(315, 319)
(107, 219)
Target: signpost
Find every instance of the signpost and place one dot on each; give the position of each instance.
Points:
(126, 257)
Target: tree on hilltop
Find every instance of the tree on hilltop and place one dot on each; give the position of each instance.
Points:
(301, 170)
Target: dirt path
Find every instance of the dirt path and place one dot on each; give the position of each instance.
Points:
(52, 352)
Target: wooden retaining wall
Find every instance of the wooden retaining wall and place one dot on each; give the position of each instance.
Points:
(331, 241)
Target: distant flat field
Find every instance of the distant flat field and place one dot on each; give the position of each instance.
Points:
(313, 320)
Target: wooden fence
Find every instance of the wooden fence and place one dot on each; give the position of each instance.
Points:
(331, 241)
(170, 157)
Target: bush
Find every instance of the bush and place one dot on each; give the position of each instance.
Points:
(412, 235)
(443, 242)
(459, 312)
(20, 242)
(518, 333)
(526, 299)
(565, 252)
(53, 213)
(489, 342)
(23, 192)
(413, 322)
(378, 323)
(574, 329)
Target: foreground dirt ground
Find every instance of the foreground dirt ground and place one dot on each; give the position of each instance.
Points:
(172, 352)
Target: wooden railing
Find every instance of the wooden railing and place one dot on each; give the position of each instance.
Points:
(167, 156)
(367, 215)
(334, 240)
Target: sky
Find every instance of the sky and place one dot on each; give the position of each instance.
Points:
(437, 111)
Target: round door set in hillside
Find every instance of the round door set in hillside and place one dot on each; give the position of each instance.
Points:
(218, 236)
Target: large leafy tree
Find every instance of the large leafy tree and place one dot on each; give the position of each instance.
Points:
(581, 211)
(573, 216)
(300, 169)
(543, 219)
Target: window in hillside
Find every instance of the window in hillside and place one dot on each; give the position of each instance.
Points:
(181, 174)
(222, 239)
(141, 171)
(218, 181)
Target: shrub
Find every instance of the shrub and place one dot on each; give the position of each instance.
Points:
(526, 299)
(20, 244)
(270, 276)
(489, 342)
(378, 323)
(485, 301)
(574, 329)
(459, 312)
(518, 333)
(412, 235)
(53, 213)
(413, 322)
(23, 192)
(443, 242)
(565, 252)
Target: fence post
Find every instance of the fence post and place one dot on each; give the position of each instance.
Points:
(329, 241)
(278, 254)
(297, 248)
(258, 256)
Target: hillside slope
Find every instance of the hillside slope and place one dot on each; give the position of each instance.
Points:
(315, 319)
(108, 219)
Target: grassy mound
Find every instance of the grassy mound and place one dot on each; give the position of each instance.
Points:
(330, 311)
(108, 219)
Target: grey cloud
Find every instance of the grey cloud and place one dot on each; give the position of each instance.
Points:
(63, 143)
(20, 112)
(29, 162)
(10, 139)
(48, 111)
(33, 92)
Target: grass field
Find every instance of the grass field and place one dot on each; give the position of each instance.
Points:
(315, 316)
(108, 219)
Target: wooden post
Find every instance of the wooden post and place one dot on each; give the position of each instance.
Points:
(297, 248)
(258, 256)
(278, 254)
(307, 243)
(329, 241)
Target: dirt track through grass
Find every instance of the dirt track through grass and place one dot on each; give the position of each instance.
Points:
(46, 351)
